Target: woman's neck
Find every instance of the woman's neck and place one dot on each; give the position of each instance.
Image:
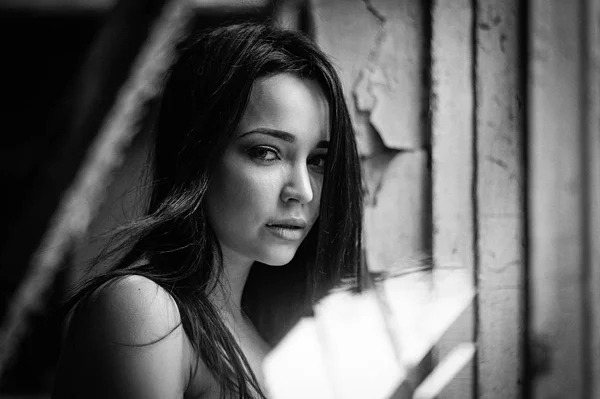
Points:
(228, 296)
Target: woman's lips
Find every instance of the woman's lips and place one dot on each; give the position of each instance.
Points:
(286, 232)
(291, 222)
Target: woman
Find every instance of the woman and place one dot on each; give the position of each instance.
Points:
(255, 213)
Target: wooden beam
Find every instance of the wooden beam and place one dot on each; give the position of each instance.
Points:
(591, 167)
(452, 154)
(563, 198)
(500, 198)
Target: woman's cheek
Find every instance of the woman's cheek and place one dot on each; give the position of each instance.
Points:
(258, 188)
(317, 189)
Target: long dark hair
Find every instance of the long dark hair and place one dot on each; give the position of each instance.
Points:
(203, 100)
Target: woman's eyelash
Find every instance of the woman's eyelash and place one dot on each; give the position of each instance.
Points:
(268, 155)
(264, 154)
(321, 160)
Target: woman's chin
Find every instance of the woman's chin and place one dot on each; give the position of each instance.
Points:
(279, 259)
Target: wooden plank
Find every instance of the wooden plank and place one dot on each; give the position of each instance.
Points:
(557, 187)
(592, 146)
(397, 219)
(378, 47)
(500, 196)
(452, 155)
(591, 172)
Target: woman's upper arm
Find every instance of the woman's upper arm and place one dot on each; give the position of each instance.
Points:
(127, 342)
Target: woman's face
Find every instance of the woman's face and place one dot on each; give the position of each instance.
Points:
(265, 193)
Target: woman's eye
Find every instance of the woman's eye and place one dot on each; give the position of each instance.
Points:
(264, 154)
(318, 162)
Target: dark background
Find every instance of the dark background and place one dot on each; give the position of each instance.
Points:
(42, 53)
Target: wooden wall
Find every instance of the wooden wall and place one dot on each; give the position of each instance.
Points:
(438, 105)
(499, 197)
(488, 111)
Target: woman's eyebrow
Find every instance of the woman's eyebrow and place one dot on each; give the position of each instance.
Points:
(280, 134)
(283, 135)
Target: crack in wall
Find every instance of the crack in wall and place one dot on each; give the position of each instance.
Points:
(376, 13)
(376, 169)
(365, 101)
(372, 75)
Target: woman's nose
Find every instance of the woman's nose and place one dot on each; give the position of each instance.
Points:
(298, 186)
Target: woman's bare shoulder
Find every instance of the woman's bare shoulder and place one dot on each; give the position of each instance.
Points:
(131, 310)
(126, 340)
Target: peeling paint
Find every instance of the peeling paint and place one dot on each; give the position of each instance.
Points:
(385, 87)
(397, 208)
(375, 169)
(365, 96)
(378, 47)
(346, 31)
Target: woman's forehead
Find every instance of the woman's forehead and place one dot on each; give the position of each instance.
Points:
(289, 103)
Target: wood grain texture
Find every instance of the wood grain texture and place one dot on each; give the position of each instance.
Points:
(452, 156)
(557, 199)
(500, 196)
(592, 170)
